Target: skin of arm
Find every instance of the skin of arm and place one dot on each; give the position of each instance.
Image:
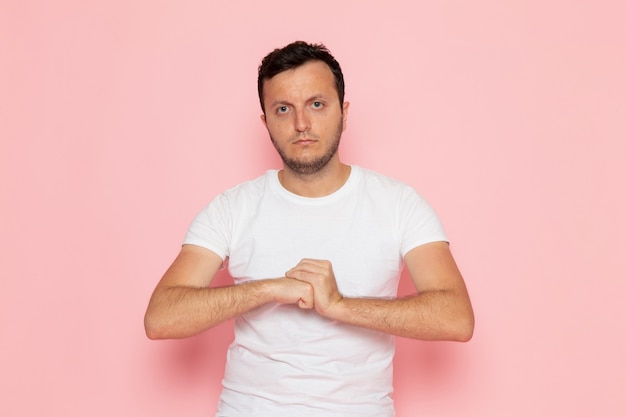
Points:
(439, 310)
(183, 303)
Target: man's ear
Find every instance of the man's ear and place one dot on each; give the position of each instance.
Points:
(263, 120)
(346, 105)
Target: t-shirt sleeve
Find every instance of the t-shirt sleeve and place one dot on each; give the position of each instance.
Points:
(211, 227)
(419, 224)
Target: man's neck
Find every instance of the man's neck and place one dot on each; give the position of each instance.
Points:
(322, 183)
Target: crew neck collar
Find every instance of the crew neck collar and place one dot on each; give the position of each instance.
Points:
(355, 174)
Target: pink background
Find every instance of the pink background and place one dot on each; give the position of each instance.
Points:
(120, 119)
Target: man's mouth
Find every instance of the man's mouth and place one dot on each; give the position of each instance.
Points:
(304, 141)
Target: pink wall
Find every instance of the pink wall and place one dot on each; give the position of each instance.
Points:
(119, 120)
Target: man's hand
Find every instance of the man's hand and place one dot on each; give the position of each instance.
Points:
(290, 291)
(320, 276)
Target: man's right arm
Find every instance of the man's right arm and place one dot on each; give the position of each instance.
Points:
(183, 303)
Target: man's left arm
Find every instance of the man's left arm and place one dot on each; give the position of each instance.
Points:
(439, 310)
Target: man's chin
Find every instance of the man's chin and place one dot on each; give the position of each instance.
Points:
(306, 166)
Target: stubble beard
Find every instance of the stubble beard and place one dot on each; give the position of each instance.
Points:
(306, 166)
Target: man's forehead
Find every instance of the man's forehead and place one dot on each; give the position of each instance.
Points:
(309, 76)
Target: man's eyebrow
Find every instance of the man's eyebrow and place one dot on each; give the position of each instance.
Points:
(316, 97)
(280, 103)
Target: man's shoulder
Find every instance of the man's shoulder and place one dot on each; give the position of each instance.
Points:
(251, 187)
(372, 178)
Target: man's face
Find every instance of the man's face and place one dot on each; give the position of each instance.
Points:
(303, 116)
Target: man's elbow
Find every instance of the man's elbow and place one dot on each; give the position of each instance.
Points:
(464, 329)
(154, 334)
(465, 335)
(155, 329)
(152, 331)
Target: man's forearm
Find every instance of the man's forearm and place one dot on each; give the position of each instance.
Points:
(433, 315)
(181, 311)
(176, 312)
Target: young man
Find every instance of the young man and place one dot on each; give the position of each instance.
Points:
(315, 250)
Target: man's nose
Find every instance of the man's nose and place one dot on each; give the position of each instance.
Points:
(302, 122)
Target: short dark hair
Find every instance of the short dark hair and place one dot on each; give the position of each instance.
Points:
(294, 55)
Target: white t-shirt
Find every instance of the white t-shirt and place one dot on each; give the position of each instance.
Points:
(289, 362)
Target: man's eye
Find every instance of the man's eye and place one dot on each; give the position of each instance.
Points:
(318, 104)
(282, 109)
